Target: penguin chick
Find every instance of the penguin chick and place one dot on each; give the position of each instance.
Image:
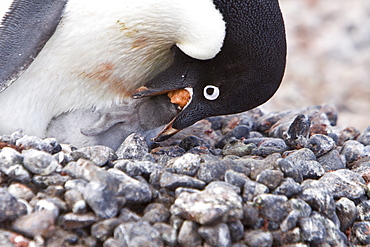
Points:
(244, 74)
(61, 56)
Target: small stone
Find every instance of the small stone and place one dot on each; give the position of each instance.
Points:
(49, 145)
(236, 229)
(172, 181)
(258, 238)
(253, 189)
(363, 210)
(217, 203)
(49, 180)
(111, 242)
(125, 215)
(166, 233)
(293, 238)
(313, 230)
(20, 191)
(320, 144)
(300, 207)
(349, 133)
(289, 188)
(297, 134)
(290, 170)
(100, 155)
(72, 221)
(239, 132)
(318, 197)
(333, 236)
(272, 207)
(211, 171)
(103, 229)
(135, 168)
(163, 154)
(133, 147)
(290, 221)
(344, 183)
(331, 161)
(237, 148)
(364, 138)
(361, 231)
(217, 235)
(270, 178)
(34, 224)
(10, 208)
(188, 234)
(156, 212)
(39, 162)
(270, 146)
(19, 173)
(251, 214)
(352, 151)
(347, 212)
(9, 157)
(188, 164)
(191, 142)
(138, 234)
(47, 205)
(257, 166)
(235, 178)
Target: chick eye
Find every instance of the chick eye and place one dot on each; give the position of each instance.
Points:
(211, 92)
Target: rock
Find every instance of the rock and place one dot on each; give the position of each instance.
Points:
(133, 147)
(363, 210)
(289, 188)
(270, 146)
(188, 164)
(253, 189)
(102, 230)
(347, 212)
(188, 234)
(251, 214)
(39, 162)
(172, 181)
(211, 171)
(100, 155)
(290, 170)
(49, 145)
(236, 229)
(235, 178)
(20, 191)
(313, 230)
(344, 183)
(217, 203)
(138, 234)
(364, 138)
(320, 144)
(270, 178)
(217, 235)
(166, 233)
(258, 238)
(191, 142)
(239, 132)
(72, 221)
(361, 231)
(331, 161)
(297, 134)
(237, 148)
(155, 213)
(35, 224)
(352, 151)
(272, 207)
(10, 208)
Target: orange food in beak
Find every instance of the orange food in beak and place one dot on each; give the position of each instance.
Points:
(180, 97)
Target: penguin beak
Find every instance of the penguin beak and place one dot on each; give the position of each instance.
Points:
(181, 97)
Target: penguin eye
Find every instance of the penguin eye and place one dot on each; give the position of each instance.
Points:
(211, 92)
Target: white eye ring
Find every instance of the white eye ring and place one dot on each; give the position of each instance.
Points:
(213, 94)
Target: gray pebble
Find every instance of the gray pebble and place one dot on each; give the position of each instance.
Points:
(313, 230)
(352, 151)
(290, 170)
(49, 180)
(270, 178)
(39, 162)
(172, 181)
(47, 205)
(333, 236)
(320, 144)
(216, 203)
(34, 224)
(347, 212)
(75, 201)
(270, 146)
(156, 212)
(258, 238)
(293, 238)
(239, 132)
(211, 171)
(9, 157)
(344, 183)
(20, 191)
(272, 207)
(253, 189)
(305, 160)
(318, 197)
(364, 138)
(126, 215)
(256, 166)
(290, 221)
(138, 234)
(166, 233)
(251, 214)
(72, 221)
(137, 168)
(102, 230)
(236, 229)
(10, 208)
(76, 184)
(188, 234)
(217, 235)
(331, 161)
(49, 145)
(238, 148)
(363, 210)
(289, 188)
(111, 242)
(297, 134)
(235, 178)
(188, 164)
(133, 147)
(302, 208)
(100, 155)
(361, 231)
(191, 142)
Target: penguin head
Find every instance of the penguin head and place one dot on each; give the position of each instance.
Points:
(244, 74)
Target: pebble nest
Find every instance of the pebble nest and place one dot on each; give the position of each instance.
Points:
(252, 179)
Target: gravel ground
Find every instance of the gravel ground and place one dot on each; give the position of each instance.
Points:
(253, 179)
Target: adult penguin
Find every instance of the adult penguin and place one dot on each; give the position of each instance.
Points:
(72, 56)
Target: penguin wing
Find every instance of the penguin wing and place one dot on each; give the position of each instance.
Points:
(24, 30)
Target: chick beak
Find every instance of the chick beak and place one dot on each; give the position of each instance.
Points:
(180, 97)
